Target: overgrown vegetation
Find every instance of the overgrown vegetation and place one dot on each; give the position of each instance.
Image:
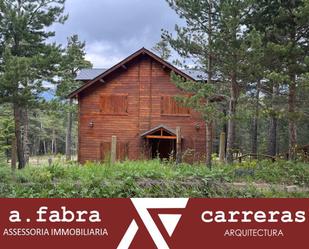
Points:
(154, 179)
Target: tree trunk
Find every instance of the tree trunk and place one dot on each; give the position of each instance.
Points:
(272, 135)
(222, 145)
(68, 142)
(13, 154)
(254, 144)
(44, 146)
(7, 151)
(209, 126)
(273, 126)
(41, 140)
(232, 120)
(53, 144)
(18, 137)
(254, 134)
(225, 129)
(26, 135)
(209, 130)
(36, 147)
(292, 122)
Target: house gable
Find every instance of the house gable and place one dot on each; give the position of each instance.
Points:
(123, 66)
(128, 103)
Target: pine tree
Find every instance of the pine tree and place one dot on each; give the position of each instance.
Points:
(6, 131)
(285, 25)
(216, 39)
(253, 74)
(195, 41)
(162, 49)
(232, 45)
(260, 19)
(27, 59)
(73, 60)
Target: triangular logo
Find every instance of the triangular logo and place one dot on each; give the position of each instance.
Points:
(170, 222)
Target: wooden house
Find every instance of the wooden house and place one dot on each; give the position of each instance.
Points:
(133, 102)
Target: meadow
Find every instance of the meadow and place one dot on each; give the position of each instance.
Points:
(155, 179)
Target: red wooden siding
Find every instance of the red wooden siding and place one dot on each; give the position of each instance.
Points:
(130, 103)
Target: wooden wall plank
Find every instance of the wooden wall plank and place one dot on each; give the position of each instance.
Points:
(144, 83)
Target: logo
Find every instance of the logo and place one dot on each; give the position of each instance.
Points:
(169, 221)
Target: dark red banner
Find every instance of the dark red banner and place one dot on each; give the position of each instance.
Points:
(154, 223)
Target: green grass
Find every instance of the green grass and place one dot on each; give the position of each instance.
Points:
(280, 172)
(150, 179)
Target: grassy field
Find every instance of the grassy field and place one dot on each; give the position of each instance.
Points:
(156, 179)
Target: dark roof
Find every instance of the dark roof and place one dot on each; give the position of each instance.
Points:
(196, 74)
(90, 73)
(153, 130)
(122, 63)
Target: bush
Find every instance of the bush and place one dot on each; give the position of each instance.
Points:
(5, 174)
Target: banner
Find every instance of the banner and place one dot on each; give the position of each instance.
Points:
(154, 223)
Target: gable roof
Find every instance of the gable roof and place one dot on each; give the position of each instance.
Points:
(157, 128)
(142, 51)
(89, 73)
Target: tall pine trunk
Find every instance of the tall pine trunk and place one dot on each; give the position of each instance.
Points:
(292, 122)
(272, 135)
(254, 136)
(231, 136)
(13, 154)
(254, 144)
(209, 126)
(18, 136)
(44, 147)
(68, 142)
(273, 125)
(209, 130)
(53, 142)
(26, 135)
(7, 150)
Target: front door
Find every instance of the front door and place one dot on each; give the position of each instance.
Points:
(163, 148)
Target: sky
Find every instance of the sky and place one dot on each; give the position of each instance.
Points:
(114, 29)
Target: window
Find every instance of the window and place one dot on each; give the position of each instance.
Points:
(169, 106)
(114, 104)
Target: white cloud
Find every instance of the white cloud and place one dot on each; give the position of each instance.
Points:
(102, 54)
(49, 85)
(113, 29)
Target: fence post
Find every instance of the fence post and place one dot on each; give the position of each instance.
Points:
(222, 147)
(113, 149)
(178, 145)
